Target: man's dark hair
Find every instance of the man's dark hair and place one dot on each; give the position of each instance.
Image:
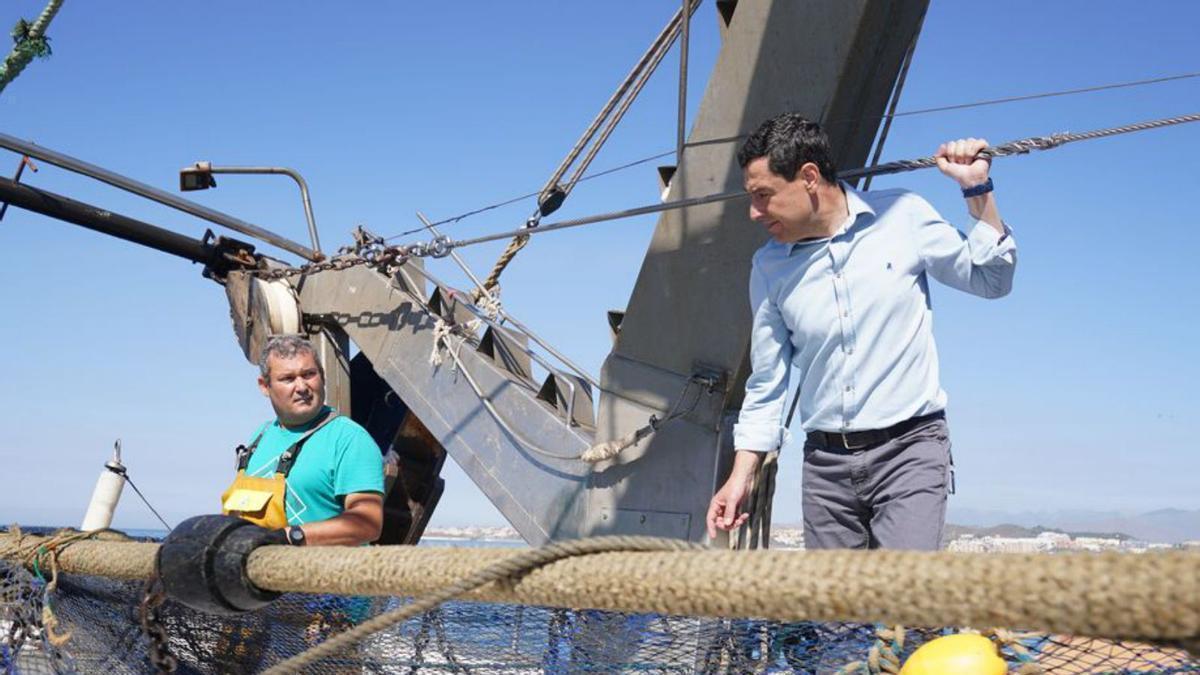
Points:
(789, 141)
(286, 347)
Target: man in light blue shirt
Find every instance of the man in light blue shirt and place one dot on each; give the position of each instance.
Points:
(841, 293)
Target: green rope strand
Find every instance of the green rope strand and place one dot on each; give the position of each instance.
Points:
(30, 43)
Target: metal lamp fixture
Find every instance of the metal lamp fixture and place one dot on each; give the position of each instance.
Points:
(199, 176)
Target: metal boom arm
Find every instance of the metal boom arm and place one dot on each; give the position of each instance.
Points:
(218, 258)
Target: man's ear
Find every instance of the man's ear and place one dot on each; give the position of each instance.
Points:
(263, 386)
(811, 175)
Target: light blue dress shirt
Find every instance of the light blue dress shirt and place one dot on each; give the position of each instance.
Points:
(852, 314)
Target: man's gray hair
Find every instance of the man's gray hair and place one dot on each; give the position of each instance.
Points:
(286, 347)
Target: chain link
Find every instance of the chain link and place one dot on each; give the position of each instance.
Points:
(336, 263)
(153, 598)
(369, 250)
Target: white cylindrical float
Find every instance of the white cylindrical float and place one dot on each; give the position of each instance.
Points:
(107, 493)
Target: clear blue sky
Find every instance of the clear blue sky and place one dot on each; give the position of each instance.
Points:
(1073, 392)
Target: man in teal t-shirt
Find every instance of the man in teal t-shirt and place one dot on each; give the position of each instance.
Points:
(334, 488)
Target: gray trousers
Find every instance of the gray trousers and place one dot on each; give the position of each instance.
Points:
(885, 496)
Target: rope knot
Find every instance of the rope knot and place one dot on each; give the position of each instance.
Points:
(29, 43)
(443, 331)
(1012, 641)
(488, 302)
(609, 449)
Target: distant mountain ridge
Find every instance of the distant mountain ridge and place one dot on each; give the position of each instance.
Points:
(1163, 526)
(1168, 526)
(1011, 531)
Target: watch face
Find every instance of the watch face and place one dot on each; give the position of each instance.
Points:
(296, 536)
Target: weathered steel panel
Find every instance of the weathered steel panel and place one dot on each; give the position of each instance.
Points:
(834, 60)
(539, 495)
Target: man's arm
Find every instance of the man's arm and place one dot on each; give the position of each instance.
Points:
(359, 523)
(357, 474)
(760, 423)
(723, 509)
(982, 262)
(958, 160)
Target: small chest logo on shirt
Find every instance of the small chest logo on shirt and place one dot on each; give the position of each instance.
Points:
(889, 267)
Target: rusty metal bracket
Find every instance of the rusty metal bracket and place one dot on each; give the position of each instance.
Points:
(25, 162)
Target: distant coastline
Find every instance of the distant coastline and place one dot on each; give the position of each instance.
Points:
(473, 532)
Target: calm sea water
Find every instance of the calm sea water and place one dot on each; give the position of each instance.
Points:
(443, 542)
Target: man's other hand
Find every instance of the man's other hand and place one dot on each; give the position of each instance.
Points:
(723, 510)
(960, 161)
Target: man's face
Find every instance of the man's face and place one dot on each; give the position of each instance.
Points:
(784, 207)
(295, 387)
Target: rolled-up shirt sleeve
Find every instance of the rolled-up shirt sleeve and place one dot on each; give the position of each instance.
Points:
(981, 263)
(760, 423)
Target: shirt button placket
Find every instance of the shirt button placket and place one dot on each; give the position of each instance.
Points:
(839, 289)
(842, 292)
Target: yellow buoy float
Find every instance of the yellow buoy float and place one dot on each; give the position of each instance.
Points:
(962, 654)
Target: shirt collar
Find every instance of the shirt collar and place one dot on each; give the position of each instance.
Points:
(855, 204)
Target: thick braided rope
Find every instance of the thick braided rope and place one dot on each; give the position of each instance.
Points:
(21, 55)
(621, 100)
(507, 571)
(1151, 597)
(514, 247)
(122, 560)
(33, 548)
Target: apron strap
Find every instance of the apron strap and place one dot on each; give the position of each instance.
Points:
(288, 458)
(243, 452)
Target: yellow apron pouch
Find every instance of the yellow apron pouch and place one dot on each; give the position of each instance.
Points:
(262, 500)
(258, 500)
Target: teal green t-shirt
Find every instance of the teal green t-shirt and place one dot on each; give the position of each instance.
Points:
(339, 459)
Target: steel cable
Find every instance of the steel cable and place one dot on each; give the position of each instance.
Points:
(890, 115)
(441, 247)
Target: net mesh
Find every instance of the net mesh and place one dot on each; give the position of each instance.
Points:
(468, 637)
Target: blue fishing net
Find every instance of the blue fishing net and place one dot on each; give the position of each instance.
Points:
(472, 637)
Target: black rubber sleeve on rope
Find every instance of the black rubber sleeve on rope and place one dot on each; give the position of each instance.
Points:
(202, 564)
